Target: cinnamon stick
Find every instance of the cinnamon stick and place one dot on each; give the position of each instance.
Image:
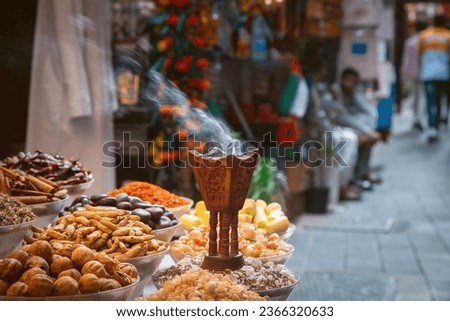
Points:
(31, 199)
(10, 173)
(49, 182)
(40, 185)
(27, 192)
(4, 184)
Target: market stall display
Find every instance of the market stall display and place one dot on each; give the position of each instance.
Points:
(273, 280)
(201, 285)
(253, 242)
(16, 220)
(37, 271)
(162, 221)
(55, 170)
(270, 217)
(151, 193)
(115, 232)
(43, 196)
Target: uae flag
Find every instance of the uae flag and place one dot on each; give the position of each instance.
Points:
(294, 96)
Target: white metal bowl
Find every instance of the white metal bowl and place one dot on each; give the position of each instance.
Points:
(47, 212)
(121, 294)
(11, 236)
(146, 266)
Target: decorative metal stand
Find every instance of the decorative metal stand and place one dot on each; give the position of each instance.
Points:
(224, 183)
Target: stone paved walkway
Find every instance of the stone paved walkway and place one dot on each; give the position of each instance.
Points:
(345, 255)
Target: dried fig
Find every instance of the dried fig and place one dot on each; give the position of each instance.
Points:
(37, 261)
(89, 283)
(29, 273)
(40, 285)
(109, 284)
(60, 264)
(20, 255)
(3, 287)
(65, 285)
(17, 289)
(43, 249)
(81, 255)
(10, 270)
(73, 273)
(94, 267)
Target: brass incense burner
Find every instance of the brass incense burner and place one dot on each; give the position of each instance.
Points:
(224, 183)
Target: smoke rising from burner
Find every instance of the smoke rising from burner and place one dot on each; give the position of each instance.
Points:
(175, 106)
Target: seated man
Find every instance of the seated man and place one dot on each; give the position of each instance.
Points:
(322, 118)
(355, 112)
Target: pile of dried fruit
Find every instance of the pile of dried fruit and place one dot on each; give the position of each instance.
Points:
(253, 242)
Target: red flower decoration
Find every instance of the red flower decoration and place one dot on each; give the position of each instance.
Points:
(172, 20)
(164, 44)
(201, 63)
(203, 84)
(182, 66)
(199, 42)
(191, 21)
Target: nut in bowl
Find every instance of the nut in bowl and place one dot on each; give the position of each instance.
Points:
(120, 294)
(44, 269)
(280, 294)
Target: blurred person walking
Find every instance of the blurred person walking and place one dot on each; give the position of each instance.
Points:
(410, 72)
(434, 53)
